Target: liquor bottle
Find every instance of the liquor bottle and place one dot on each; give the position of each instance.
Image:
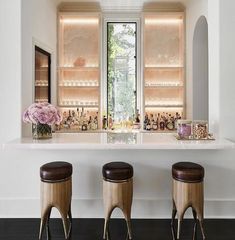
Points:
(170, 125)
(104, 122)
(110, 121)
(162, 123)
(89, 123)
(158, 120)
(137, 119)
(84, 127)
(151, 121)
(145, 121)
(163, 116)
(177, 117)
(155, 123)
(96, 126)
(148, 126)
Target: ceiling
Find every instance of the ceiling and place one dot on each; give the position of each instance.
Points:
(112, 4)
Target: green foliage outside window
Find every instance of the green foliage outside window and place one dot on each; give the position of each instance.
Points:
(121, 71)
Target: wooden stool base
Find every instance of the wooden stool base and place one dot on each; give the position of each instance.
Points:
(186, 195)
(117, 195)
(56, 195)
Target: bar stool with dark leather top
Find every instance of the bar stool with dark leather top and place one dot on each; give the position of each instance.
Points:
(188, 191)
(56, 191)
(117, 192)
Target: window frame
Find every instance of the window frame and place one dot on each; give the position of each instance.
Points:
(121, 18)
(136, 60)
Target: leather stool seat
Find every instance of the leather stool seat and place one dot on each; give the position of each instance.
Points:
(56, 171)
(188, 172)
(117, 171)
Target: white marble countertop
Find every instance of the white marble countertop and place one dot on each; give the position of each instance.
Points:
(107, 141)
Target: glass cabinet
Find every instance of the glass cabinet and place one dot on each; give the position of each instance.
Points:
(79, 70)
(42, 75)
(163, 68)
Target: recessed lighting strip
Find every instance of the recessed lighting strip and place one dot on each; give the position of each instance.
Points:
(79, 21)
(162, 21)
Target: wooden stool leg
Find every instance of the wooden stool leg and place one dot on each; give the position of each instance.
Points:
(126, 203)
(179, 228)
(174, 211)
(70, 215)
(65, 224)
(195, 224)
(200, 218)
(108, 214)
(180, 216)
(44, 219)
(127, 216)
(198, 204)
(109, 205)
(47, 226)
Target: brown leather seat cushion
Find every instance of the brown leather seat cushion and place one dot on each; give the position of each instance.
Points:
(117, 171)
(188, 172)
(56, 171)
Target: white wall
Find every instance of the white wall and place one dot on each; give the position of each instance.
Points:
(227, 68)
(214, 65)
(10, 69)
(39, 24)
(200, 70)
(195, 9)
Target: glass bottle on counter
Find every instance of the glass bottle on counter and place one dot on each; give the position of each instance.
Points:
(136, 122)
(145, 121)
(104, 123)
(110, 122)
(162, 125)
(155, 123)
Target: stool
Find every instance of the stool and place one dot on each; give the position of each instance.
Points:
(117, 192)
(56, 191)
(188, 192)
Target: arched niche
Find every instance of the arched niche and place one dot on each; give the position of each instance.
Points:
(200, 71)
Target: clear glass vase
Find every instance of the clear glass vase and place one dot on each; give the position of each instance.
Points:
(41, 131)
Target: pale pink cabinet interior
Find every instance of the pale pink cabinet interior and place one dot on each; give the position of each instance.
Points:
(164, 85)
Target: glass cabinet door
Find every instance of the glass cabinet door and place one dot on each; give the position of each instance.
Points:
(42, 91)
(164, 80)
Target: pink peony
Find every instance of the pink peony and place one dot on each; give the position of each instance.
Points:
(43, 113)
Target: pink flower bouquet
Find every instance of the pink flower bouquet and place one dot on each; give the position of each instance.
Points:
(42, 113)
(42, 116)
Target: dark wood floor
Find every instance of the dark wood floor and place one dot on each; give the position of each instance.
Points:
(91, 229)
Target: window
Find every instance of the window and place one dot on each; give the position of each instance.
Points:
(121, 71)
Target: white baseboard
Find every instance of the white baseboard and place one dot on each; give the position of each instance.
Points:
(93, 208)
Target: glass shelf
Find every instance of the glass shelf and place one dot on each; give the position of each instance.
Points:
(79, 83)
(164, 106)
(163, 86)
(39, 85)
(79, 69)
(78, 86)
(79, 106)
(162, 67)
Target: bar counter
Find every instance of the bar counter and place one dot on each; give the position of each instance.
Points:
(117, 140)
